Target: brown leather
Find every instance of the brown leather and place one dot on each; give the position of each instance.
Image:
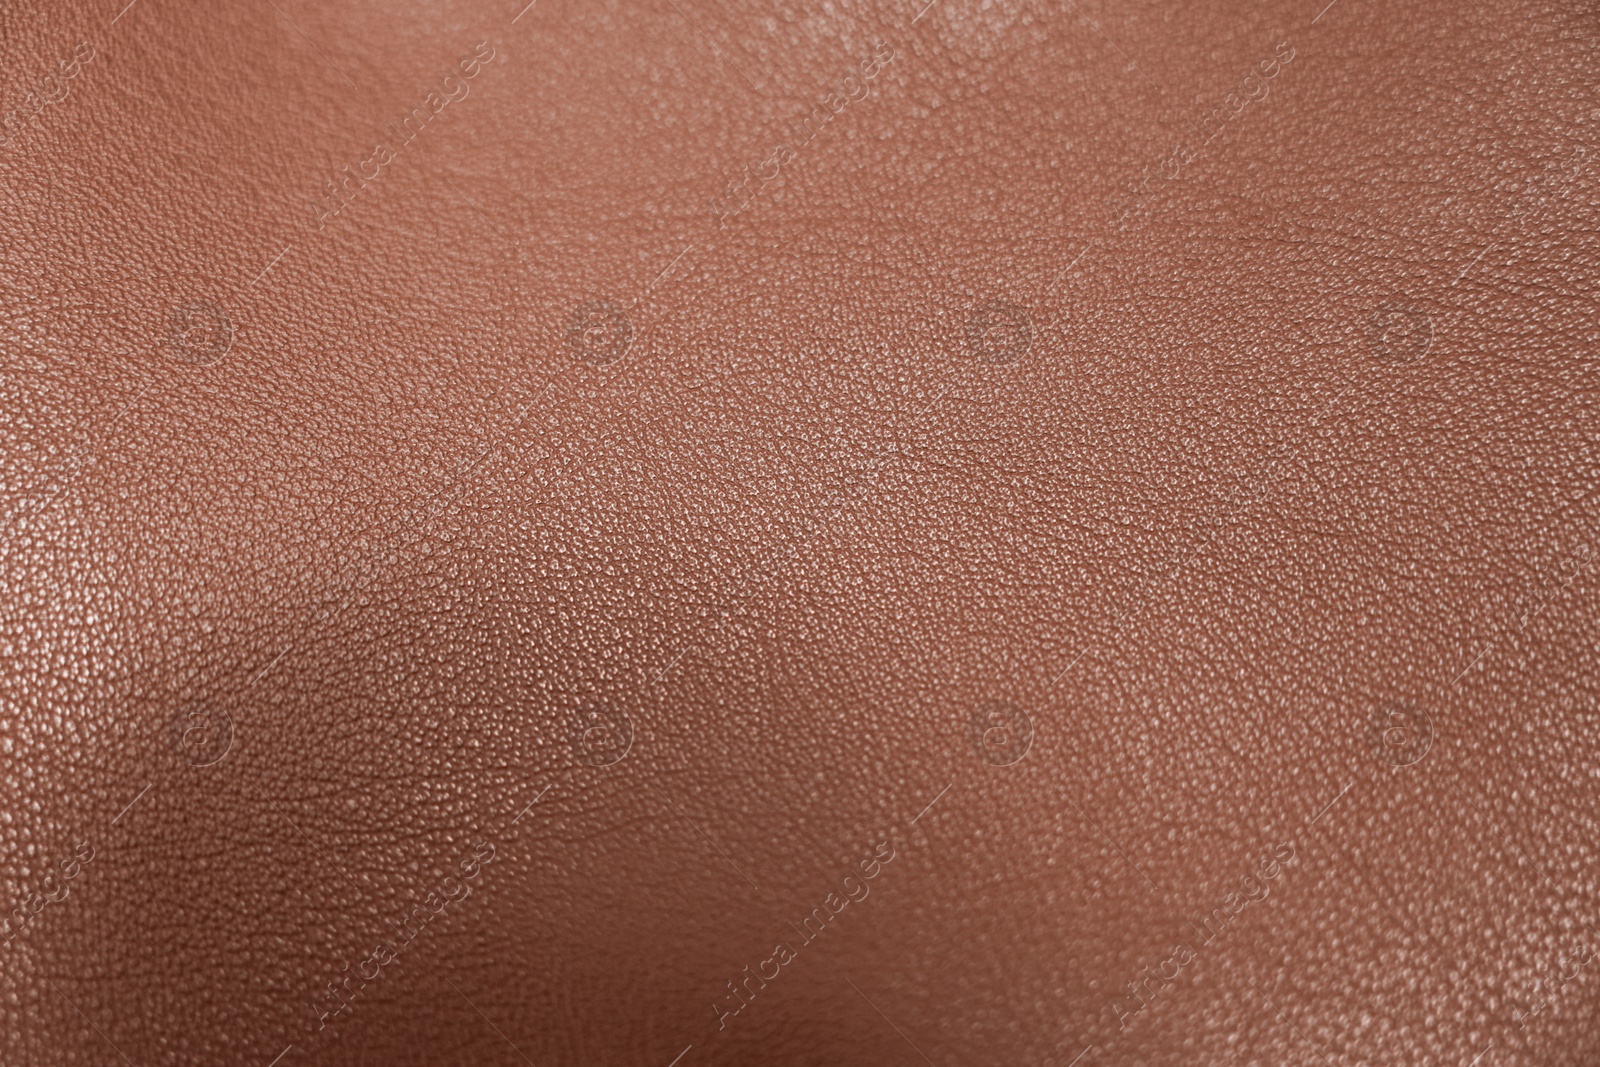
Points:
(784, 533)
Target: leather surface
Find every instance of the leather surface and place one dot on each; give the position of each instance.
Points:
(799, 533)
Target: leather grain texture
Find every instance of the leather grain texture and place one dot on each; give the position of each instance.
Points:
(799, 533)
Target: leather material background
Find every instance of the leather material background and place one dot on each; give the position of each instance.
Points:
(1106, 454)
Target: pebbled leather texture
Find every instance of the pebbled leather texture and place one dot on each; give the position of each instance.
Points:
(799, 533)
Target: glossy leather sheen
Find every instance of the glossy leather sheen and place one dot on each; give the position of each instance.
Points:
(800, 533)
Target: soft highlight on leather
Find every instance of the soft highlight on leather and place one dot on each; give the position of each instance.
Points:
(512, 511)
